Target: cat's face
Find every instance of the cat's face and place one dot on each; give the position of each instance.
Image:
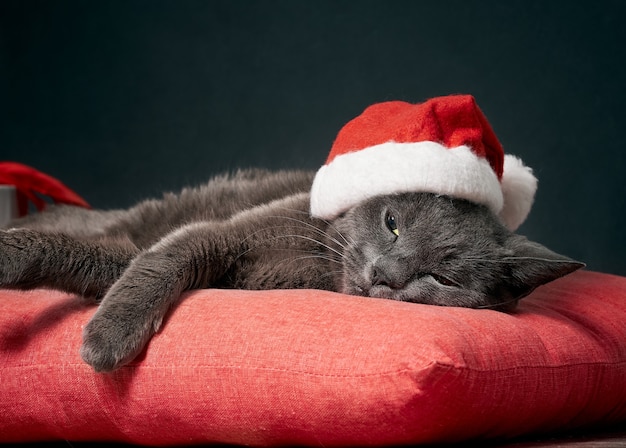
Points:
(425, 248)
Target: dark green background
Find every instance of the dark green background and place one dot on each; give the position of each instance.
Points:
(124, 99)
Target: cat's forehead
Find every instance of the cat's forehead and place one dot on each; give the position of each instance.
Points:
(413, 204)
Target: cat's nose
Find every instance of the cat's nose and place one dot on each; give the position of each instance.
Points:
(378, 277)
(382, 277)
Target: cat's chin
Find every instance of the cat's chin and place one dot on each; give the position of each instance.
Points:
(375, 292)
(384, 292)
(354, 287)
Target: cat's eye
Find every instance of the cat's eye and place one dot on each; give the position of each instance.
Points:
(391, 223)
(442, 280)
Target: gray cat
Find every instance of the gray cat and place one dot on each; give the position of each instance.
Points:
(253, 230)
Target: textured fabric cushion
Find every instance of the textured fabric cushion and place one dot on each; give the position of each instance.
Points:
(317, 368)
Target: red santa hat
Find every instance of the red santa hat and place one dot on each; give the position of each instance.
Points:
(443, 146)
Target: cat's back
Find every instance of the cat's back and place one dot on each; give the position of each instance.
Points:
(227, 194)
(221, 197)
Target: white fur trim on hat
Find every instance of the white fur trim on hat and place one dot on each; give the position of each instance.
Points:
(518, 188)
(391, 167)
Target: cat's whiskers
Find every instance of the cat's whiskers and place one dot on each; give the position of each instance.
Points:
(325, 221)
(274, 237)
(323, 257)
(496, 305)
(512, 259)
(316, 229)
(253, 234)
(329, 273)
(295, 235)
(309, 225)
(310, 256)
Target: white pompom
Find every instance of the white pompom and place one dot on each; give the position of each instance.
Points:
(518, 189)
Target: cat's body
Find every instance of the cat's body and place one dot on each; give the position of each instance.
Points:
(253, 230)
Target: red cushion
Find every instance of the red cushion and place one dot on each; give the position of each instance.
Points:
(318, 368)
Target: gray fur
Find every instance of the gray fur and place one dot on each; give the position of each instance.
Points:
(252, 230)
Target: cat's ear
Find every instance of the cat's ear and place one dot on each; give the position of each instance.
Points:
(532, 265)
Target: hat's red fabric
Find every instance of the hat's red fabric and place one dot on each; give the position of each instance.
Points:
(452, 121)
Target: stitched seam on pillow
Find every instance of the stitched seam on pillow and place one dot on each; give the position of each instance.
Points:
(364, 375)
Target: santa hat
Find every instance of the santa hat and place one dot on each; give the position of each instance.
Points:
(443, 146)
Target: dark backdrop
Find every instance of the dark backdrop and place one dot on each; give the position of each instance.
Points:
(123, 99)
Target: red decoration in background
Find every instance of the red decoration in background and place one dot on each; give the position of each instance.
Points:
(31, 183)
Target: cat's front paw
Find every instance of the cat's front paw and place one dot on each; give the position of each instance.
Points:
(130, 313)
(21, 258)
(114, 338)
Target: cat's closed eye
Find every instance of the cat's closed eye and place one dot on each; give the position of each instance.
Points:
(443, 280)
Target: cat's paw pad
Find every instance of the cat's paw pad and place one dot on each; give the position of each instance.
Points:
(111, 343)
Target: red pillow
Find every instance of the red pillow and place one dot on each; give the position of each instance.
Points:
(318, 368)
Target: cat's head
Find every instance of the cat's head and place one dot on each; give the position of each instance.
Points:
(426, 248)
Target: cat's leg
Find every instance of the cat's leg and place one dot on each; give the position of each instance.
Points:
(194, 256)
(133, 309)
(31, 259)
